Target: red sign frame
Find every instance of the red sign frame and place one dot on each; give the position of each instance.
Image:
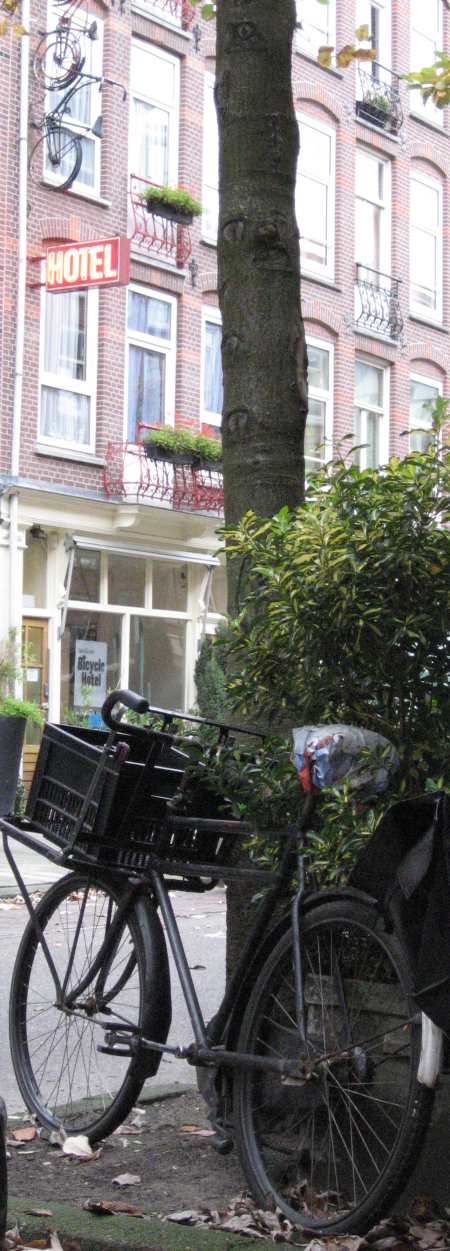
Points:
(93, 264)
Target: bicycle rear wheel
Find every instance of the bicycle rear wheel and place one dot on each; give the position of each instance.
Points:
(333, 1151)
(58, 59)
(61, 1076)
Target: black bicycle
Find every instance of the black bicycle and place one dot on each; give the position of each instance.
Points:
(59, 145)
(311, 1063)
(58, 59)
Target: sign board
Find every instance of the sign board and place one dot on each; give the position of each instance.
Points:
(90, 673)
(74, 266)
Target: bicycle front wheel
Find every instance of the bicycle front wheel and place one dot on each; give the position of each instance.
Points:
(333, 1150)
(59, 152)
(63, 1079)
(58, 59)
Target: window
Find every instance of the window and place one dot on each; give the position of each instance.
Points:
(151, 360)
(371, 423)
(212, 385)
(319, 424)
(69, 369)
(372, 215)
(376, 15)
(317, 22)
(315, 197)
(426, 40)
(210, 193)
(426, 247)
(84, 108)
(423, 394)
(154, 114)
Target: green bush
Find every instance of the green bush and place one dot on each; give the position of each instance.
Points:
(176, 441)
(345, 619)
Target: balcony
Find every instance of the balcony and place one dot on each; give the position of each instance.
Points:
(129, 475)
(379, 98)
(155, 233)
(179, 12)
(377, 303)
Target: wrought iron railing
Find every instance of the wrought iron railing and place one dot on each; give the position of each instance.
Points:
(380, 101)
(152, 231)
(179, 11)
(129, 474)
(377, 303)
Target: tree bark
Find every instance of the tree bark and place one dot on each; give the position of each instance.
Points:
(263, 344)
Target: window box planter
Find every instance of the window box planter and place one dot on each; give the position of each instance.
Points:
(174, 204)
(153, 452)
(371, 112)
(169, 213)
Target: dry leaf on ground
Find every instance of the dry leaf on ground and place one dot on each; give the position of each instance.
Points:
(25, 1134)
(104, 1206)
(38, 1212)
(197, 1130)
(126, 1179)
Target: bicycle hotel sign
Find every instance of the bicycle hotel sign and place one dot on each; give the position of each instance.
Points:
(102, 263)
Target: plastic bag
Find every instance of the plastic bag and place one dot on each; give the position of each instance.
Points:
(328, 755)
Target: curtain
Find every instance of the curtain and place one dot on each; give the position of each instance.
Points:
(150, 142)
(149, 316)
(213, 384)
(65, 416)
(65, 334)
(146, 388)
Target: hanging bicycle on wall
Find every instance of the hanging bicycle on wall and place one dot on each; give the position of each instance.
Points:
(62, 146)
(59, 59)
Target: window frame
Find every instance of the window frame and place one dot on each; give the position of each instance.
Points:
(59, 382)
(425, 109)
(207, 183)
(383, 412)
(173, 109)
(418, 310)
(385, 206)
(209, 314)
(437, 385)
(165, 347)
(303, 46)
(78, 187)
(364, 17)
(326, 397)
(326, 271)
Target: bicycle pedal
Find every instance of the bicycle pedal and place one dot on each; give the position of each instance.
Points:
(222, 1145)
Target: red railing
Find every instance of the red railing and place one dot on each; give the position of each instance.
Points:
(156, 234)
(179, 11)
(129, 474)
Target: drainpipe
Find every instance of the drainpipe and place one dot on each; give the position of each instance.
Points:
(14, 605)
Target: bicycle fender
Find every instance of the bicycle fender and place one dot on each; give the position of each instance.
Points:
(157, 1014)
(310, 901)
(431, 1053)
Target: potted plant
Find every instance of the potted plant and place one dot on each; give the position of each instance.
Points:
(173, 203)
(182, 447)
(14, 714)
(375, 108)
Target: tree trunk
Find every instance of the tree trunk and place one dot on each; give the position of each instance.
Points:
(263, 345)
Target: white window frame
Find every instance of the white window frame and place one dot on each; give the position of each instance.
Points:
(78, 186)
(326, 397)
(383, 413)
(212, 314)
(384, 48)
(308, 45)
(425, 381)
(172, 109)
(419, 310)
(61, 382)
(151, 8)
(425, 109)
(209, 184)
(325, 271)
(165, 347)
(386, 207)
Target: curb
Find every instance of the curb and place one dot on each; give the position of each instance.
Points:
(120, 1233)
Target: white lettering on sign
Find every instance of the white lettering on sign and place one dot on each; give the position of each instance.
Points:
(87, 264)
(90, 673)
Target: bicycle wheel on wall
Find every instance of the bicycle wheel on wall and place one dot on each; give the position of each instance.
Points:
(58, 59)
(63, 1079)
(62, 152)
(333, 1152)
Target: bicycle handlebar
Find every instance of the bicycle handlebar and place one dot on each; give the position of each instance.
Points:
(136, 703)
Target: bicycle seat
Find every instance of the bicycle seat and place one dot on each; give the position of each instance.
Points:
(329, 755)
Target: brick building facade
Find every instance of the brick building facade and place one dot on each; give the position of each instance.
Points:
(93, 559)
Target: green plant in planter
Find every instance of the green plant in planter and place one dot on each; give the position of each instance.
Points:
(10, 672)
(14, 714)
(171, 200)
(171, 443)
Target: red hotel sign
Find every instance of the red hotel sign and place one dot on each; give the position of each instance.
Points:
(102, 263)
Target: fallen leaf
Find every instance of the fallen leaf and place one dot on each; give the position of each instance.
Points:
(189, 1217)
(126, 1179)
(103, 1206)
(423, 1208)
(38, 1212)
(25, 1134)
(128, 1129)
(196, 1129)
